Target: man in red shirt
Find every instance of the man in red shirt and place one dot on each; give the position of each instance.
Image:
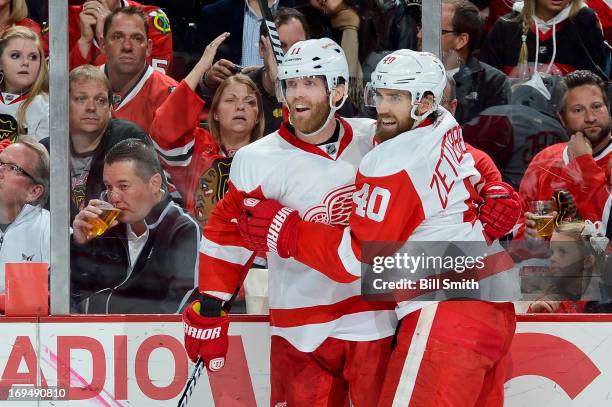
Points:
(86, 27)
(138, 89)
(584, 113)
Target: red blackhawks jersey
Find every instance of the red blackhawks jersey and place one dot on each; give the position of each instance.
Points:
(306, 306)
(36, 117)
(415, 187)
(159, 33)
(140, 103)
(198, 167)
(551, 170)
(588, 180)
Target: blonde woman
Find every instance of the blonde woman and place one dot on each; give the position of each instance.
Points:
(197, 159)
(554, 37)
(24, 101)
(15, 13)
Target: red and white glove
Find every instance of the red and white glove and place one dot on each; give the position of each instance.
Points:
(269, 226)
(501, 209)
(206, 336)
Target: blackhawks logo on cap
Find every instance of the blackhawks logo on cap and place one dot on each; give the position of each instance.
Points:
(160, 21)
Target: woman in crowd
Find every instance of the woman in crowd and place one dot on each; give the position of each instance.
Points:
(199, 160)
(577, 278)
(15, 12)
(548, 36)
(24, 101)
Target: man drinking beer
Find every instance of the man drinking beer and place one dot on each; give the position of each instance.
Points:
(145, 260)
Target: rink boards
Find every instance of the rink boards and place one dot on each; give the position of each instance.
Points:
(121, 361)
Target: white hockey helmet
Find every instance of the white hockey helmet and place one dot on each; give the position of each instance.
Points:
(415, 72)
(317, 57)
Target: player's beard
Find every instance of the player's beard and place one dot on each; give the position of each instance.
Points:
(318, 114)
(383, 133)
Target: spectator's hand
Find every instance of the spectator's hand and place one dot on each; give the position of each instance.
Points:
(530, 228)
(102, 11)
(531, 233)
(269, 59)
(206, 61)
(81, 227)
(545, 305)
(88, 20)
(251, 68)
(203, 67)
(579, 145)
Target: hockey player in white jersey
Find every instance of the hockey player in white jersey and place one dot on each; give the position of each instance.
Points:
(327, 344)
(416, 186)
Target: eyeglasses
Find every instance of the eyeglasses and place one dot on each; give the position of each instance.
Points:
(17, 170)
(448, 31)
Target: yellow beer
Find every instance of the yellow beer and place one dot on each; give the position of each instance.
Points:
(544, 225)
(104, 220)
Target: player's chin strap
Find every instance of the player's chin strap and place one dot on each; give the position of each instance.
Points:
(332, 111)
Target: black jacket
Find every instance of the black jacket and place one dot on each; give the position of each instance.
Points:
(479, 86)
(580, 44)
(163, 279)
(222, 16)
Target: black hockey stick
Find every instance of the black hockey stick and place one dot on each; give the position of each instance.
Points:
(199, 366)
(272, 32)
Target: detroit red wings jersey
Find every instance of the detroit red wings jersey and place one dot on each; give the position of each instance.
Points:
(159, 33)
(140, 104)
(306, 306)
(418, 186)
(36, 118)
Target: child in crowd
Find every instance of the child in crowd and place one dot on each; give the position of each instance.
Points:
(24, 99)
(577, 270)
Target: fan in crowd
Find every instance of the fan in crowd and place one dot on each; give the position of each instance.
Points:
(199, 160)
(87, 27)
(545, 36)
(24, 101)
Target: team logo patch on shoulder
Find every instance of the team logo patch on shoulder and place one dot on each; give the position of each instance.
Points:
(160, 21)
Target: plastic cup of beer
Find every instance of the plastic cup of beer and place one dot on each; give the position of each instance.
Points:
(105, 219)
(544, 217)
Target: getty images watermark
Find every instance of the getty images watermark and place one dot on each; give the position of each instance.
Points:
(412, 265)
(394, 271)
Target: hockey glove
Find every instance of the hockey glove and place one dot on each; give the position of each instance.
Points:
(268, 226)
(206, 327)
(501, 209)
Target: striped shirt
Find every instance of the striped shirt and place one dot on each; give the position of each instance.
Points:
(250, 35)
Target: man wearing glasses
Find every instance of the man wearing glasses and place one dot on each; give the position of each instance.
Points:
(24, 224)
(478, 85)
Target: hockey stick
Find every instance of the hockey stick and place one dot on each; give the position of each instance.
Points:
(272, 32)
(191, 383)
(199, 366)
